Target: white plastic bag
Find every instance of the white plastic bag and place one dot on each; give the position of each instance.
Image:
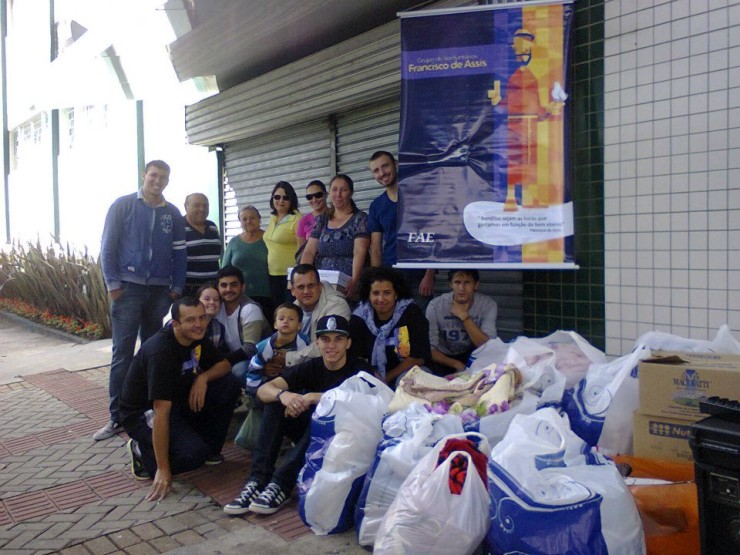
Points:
(408, 435)
(427, 519)
(345, 430)
(724, 342)
(601, 407)
(550, 494)
(569, 353)
(492, 352)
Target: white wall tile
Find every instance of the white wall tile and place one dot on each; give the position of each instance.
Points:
(698, 44)
(662, 14)
(679, 9)
(698, 83)
(672, 190)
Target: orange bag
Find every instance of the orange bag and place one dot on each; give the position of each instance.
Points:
(669, 512)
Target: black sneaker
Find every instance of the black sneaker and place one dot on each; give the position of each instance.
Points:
(270, 500)
(240, 505)
(215, 459)
(137, 467)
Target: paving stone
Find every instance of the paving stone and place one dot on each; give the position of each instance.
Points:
(86, 523)
(124, 538)
(147, 531)
(231, 523)
(164, 544)
(119, 513)
(65, 517)
(78, 534)
(206, 527)
(50, 544)
(20, 541)
(93, 509)
(216, 533)
(33, 411)
(100, 546)
(141, 549)
(7, 534)
(78, 549)
(55, 530)
(171, 525)
(191, 519)
(188, 537)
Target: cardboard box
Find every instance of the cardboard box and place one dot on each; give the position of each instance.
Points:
(662, 438)
(672, 384)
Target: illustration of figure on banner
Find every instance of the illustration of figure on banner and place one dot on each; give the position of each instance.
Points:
(525, 111)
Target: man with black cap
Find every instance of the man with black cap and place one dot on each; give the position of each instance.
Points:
(288, 413)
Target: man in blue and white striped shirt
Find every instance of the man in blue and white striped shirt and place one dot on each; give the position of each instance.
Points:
(203, 242)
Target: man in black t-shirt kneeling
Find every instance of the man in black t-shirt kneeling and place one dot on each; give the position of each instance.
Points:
(288, 413)
(177, 400)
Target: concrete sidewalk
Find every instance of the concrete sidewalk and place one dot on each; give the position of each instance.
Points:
(61, 492)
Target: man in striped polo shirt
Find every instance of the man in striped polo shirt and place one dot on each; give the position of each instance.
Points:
(203, 241)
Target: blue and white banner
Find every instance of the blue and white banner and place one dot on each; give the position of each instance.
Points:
(483, 167)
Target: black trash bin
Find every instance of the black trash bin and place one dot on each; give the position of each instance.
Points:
(715, 443)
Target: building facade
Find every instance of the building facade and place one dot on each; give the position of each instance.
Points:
(655, 131)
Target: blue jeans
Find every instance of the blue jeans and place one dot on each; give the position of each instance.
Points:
(240, 370)
(137, 312)
(274, 426)
(194, 436)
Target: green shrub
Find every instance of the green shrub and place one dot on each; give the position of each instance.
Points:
(67, 288)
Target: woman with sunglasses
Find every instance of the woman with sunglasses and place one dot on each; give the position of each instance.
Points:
(339, 239)
(280, 238)
(316, 197)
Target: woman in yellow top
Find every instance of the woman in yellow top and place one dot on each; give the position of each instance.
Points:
(280, 238)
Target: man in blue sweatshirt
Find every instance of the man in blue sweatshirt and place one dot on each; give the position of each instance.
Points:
(144, 259)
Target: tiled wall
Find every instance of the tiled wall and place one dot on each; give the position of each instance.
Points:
(565, 299)
(671, 168)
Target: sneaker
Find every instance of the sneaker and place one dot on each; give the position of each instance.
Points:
(215, 459)
(270, 500)
(109, 430)
(137, 467)
(240, 505)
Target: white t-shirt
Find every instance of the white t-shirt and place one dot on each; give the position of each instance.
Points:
(250, 313)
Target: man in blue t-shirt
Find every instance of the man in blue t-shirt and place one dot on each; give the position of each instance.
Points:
(382, 223)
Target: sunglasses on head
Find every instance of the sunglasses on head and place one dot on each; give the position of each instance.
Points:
(280, 197)
(311, 196)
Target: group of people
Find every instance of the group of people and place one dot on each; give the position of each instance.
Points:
(176, 397)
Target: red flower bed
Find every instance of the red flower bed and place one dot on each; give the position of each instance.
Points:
(68, 324)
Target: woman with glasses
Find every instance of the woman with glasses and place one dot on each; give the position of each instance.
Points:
(316, 197)
(280, 238)
(248, 252)
(339, 239)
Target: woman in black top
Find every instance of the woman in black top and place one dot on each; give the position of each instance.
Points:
(388, 329)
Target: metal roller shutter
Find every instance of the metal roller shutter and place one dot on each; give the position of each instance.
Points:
(359, 134)
(297, 154)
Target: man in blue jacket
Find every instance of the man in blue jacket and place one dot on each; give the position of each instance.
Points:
(143, 258)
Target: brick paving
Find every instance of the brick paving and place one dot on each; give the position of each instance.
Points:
(61, 492)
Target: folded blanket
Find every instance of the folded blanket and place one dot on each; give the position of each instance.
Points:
(482, 389)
